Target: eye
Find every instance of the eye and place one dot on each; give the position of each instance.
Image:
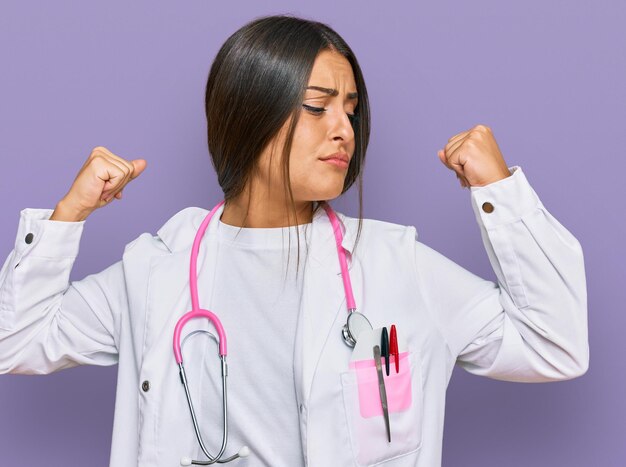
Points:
(319, 110)
(314, 110)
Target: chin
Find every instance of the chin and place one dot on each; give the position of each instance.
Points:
(330, 194)
(320, 195)
(321, 187)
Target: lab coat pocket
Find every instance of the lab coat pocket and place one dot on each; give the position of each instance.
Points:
(364, 412)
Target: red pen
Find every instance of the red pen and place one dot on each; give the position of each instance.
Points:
(393, 347)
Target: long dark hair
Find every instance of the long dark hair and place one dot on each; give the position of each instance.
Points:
(256, 82)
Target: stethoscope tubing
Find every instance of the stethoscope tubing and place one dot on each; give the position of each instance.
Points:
(197, 312)
(345, 276)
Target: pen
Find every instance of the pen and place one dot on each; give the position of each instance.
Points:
(384, 349)
(394, 347)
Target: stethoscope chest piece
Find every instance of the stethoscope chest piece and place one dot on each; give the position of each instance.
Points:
(355, 325)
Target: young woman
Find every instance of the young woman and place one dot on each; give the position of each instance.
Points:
(288, 127)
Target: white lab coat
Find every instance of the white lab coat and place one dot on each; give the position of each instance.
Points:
(531, 326)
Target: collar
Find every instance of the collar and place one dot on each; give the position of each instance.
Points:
(180, 230)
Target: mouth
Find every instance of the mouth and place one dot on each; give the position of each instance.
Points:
(339, 159)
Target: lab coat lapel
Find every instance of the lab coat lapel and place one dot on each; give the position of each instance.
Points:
(169, 293)
(323, 298)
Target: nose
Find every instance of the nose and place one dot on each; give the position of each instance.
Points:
(341, 128)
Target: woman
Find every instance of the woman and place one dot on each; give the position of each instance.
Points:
(288, 127)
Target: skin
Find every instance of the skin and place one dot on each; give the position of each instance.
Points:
(100, 180)
(316, 135)
(473, 155)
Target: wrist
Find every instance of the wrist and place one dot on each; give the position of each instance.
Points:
(67, 212)
(505, 173)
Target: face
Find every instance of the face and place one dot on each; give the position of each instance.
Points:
(324, 128)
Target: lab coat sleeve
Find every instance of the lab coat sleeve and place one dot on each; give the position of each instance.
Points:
(46, 322)
(532, 325)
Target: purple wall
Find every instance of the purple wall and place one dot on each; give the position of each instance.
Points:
(547, 77)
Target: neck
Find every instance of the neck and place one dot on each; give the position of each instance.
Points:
(264, 212)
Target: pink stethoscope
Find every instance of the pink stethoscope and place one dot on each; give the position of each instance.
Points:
(355, 324)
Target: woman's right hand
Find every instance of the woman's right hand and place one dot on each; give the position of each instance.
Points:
(102, 178)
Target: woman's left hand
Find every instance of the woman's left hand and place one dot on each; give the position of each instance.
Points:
(475, 157)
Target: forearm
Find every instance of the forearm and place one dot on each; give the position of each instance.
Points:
(46, 323)
(67, 213)
(540, 269)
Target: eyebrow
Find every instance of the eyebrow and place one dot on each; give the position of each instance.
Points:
(333, 92)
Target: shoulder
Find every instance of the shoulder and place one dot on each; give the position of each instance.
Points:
(376, 234)
(179, 231)
(376, 226)
(175, 234)
(385, 228)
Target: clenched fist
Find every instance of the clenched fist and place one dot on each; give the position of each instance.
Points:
(102, 178)
(475, 157)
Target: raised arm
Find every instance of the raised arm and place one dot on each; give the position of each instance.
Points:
(46, 322)
(532, 325)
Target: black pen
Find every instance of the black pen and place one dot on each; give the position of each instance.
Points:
(384, 349)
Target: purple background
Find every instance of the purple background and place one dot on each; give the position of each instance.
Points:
(547, 77)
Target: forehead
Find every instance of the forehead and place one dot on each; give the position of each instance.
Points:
(333, 70)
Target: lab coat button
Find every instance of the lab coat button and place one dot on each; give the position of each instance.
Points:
(29, 238)
(488, 207)
(145, 386)
(301, 408)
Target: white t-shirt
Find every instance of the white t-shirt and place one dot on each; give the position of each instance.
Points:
(258, 305)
